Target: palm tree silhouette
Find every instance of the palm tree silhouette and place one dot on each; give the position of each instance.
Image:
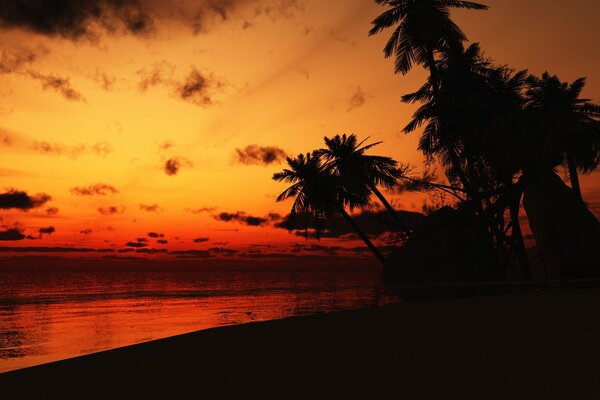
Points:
(424, 27)
(570, 125)
(318, 192)
(347, 159)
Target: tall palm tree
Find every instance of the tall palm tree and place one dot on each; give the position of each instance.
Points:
(570, 125)
(318, 192)
(424, 27)
(346, 157)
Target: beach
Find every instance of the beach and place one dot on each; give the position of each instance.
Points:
(536, 345)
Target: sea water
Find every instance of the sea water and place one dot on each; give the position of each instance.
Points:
(52, 315)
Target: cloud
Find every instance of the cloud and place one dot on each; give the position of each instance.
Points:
(173, 165)
(259, 155)
(22, 201)
(99, 189)
(86, 232)
(19, 58)
(201, 240)
(196, 87)
(111, 210)
(223, 251)
(48, 231)
(357, 100)
(74, 19)
(44, 249)
(11, 234)
(373, 223)
(200, 210)
(162, 241)
(58, 84)
(241, 218)
(136, 244)
(156, 235)
(52, 211)
(101, 149)
(150, 208)
(192, 253)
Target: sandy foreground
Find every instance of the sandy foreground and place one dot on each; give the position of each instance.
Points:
(541, 345)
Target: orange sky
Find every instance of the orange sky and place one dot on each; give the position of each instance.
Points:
(267, 73)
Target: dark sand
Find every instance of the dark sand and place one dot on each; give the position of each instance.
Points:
(543, 345)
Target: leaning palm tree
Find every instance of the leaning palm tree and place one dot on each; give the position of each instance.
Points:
(317, 192)
(359, 172)
(571, 125)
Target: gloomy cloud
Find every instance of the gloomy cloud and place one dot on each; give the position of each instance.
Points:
(86, 231)
(195, 87)
(150, 208)
(99, 189)
(162, 241)
(200, 210)
(201, 240)
(52, 211)
(59, 84)
(74, 19)
(136, 244)
(111, 210)
(48, 231)
(173, 165)
(357, 100)
(156, 235)
(101, 149)
(241, 218)
(17, 59)
(11, 234)
(259, 155)
(22, 201)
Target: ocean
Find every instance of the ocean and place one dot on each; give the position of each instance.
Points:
(52, 315)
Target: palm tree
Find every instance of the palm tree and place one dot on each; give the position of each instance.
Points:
(570, 125)
(347, 159)
(424, 27)
(318, 192)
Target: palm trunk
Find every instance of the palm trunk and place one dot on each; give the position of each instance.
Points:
(389, 208)
(517, 236)
(574, 177)
(362, 235)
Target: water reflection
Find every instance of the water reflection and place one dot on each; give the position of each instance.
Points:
(47, 316)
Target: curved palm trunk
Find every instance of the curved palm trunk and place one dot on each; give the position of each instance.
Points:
(362, 235)
(574, 177)
(389, 208)
(517, 236)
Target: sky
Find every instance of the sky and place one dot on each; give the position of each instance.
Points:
(153, 129)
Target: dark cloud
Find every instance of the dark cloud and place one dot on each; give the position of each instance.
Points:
(48, 231)
(259, 155)
(173, 165)
(74, 19)
(156, 235)
(99, 189)
(200, 210)
(43, 249)
(241, 218)
(86, 232)
(101, 149)
(297, 248)
(357, 100)
(162, 241)
(152, 251)
(192, 253)
(52, 211)
(11, 234)
(58, 84)
(201, 240)
(22, 201)
(150, 208)
(111, 210)
(373, 223)
(136, 244)
(196, 87)
(222, 251)
(19, 58)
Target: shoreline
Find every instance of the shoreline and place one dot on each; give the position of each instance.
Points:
(517, 345)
